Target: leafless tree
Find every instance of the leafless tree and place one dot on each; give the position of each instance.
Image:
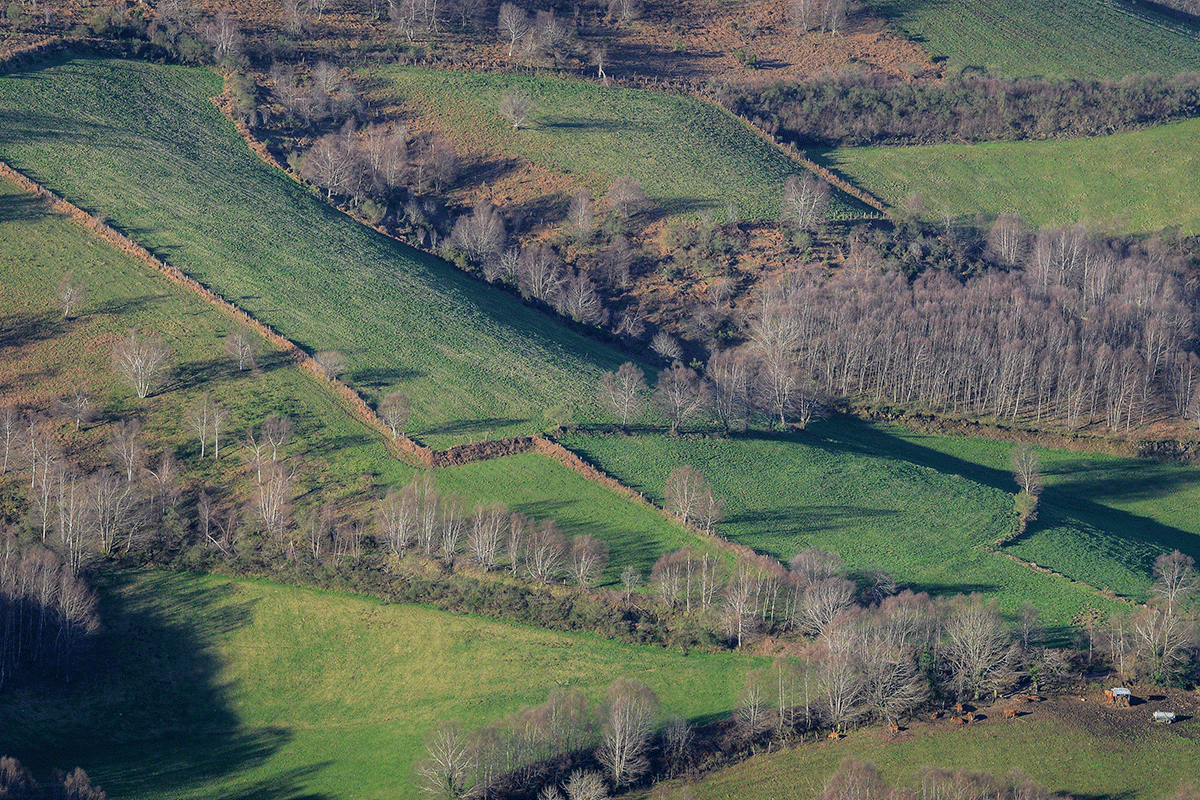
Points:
(1175, 580)
(587, 559)
(803, 14)
(581, 214)
(440, 161)
(75, 405)
(242, 346)
(539, 272)
(685, 488)
(223, 35)
(625, 196)
(126, 449)
(481, 233)
(395, 410)
(277, 432)
(445, 772)
(823, 601)
(631, 579)
(545, 551)
(396, 519)
(729, 374)
(45, 469)
(548, 40)
(976, 646)
(586, 785)
(1027, 469)
(624, 10)
(12, 430)
(666, 346)
(1164, 640)
(294, 21)
(273, 499)
(428, 511)
(624, 392)
(840, 678)
(513, 24)
(485, 542)
(70, 296)
(71, 501)
(200, 419)
(833, 15)
(164, 483)
(142, 360)
(330, 362)
(75, 785)
(631, 712)
(1008, 240)
(453, 523)
(741, 603)
(680, 395)
(578, 299)
(330, 164)
(805, 202)
(112, 510)
(754, 711)
(677, 740)
(515, 107)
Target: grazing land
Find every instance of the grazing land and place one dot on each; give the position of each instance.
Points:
(690, 157)
(209, 687)
(1048, 38)
(1066, 745)
(1128, 181)
(141, 144)
(884, 497)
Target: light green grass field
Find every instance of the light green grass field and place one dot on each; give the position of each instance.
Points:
(1135, 182)
(922, 508)
(142, 144)
(1146, 762)
(1050, 38)
(207, 687)
(689, 156)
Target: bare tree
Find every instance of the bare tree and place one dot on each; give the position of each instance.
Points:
(1027, 469)
(70, 295)
(515, 107)
(624, 10)
(586, 785)
(395, 410)
(112, 510)
(631, 712)
(277, 432)
(273, 499)
(754, 707)
(729, 372)
(815, 564)
(976, 647)
(685, 489)
(513, 24)
(223, 34)
(680, 395)
(396, 519)
(1008, 240)
(539, 272)
(445, 772)
(330, 164)
(126, 449)
(75, 405)
(485, 542)
(823, 601)
(242, 346)
(805, 202)
(581, 214)
(626, 196)
(578, 299)
(1175, 580)
(803, 14)
(481, 233)
(12, 430)
(1164, 641)
(545, 551)
(142, 360)
(624, 392)
(330, 362)
(587, 559)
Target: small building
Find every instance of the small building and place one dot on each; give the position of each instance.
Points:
(1118, 696)
(1165, 717)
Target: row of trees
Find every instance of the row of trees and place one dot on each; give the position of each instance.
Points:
(18, 783)
(859, 109)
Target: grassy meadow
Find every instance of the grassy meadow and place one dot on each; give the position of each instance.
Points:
(924, 508)
(209, 687)
(1049, 38)
(1141, 761)
(1129, 181)
(141, 144)
(689, 156)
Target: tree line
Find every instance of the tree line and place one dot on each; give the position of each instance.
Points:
(851, 109)
(18, 783)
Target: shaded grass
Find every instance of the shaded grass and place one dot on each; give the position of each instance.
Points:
(141, 143)
(1051, 38)
(689, 156)
(867, 493)
(1130, 180)
(207, 687)
(1146, 763)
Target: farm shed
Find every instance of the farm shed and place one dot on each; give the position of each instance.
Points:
(1118, 696)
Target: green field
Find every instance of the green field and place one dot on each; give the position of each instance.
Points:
(689, 156)
(206, 687)
(1131, 181)
(1049, 38)
(1148, 762)
(924, 507)
(141, 144)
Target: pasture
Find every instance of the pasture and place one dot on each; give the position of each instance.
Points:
(1128, 182)
(689, 156)
(1048, 38)
(925, 508)
(1067, 746)
(209, 687)
(141, 144)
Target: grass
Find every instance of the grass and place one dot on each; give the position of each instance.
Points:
(924, 507)
(1067, 757)
(208, 687)
(44, 354)
(1050, 38)
(1130, 181)
(141, 144)
(689, 156)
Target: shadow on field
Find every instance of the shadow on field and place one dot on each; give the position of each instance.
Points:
(379, 377)
(23, 328)
(480, 426)
(816, 518)
(1132, 540)
(151, 713)
(22, 208)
